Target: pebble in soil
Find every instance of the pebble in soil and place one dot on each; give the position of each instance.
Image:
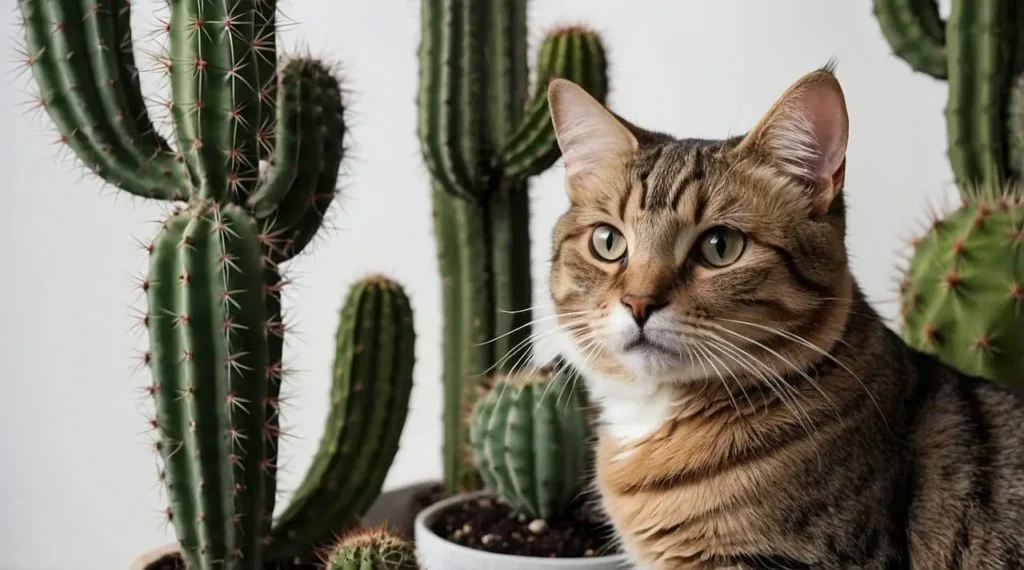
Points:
(491, 525)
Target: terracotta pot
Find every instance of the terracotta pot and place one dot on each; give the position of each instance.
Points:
(153, 556)
(437, 553)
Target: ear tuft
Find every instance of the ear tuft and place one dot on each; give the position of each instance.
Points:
(591, 139)
(805, 133)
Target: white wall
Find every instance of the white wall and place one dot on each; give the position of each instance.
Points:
(77, 481)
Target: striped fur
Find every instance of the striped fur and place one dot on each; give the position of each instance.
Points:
(780, 425)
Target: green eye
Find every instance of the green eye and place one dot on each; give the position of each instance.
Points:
(721, 247)
(607, 243)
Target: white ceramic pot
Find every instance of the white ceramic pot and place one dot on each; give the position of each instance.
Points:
(153, 556)
(437, 553)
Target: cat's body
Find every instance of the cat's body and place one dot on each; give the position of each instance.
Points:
(755, 411)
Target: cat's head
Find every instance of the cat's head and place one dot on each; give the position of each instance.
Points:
(682, 260)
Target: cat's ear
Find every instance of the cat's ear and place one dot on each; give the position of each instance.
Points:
(805, 133)
(593, 142)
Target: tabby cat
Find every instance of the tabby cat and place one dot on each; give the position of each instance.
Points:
(755, 412)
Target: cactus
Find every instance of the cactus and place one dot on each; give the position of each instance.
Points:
(529, 436)
(371, 549)
(213, 289)
(482, 135)
(961, 294)
(369, 402)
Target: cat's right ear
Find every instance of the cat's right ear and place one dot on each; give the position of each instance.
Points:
(593, 142)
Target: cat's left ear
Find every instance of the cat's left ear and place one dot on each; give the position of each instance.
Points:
(805, 133)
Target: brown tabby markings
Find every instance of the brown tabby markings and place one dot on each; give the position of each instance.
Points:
(802, 433)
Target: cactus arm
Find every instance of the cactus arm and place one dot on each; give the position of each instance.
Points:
(300, 186)
(916, 33)
(979, 37)
(215, 91)
(79, 76)
(370, 397)
(575, 54)
(450, 110)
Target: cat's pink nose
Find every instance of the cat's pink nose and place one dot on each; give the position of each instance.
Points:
(642, 306)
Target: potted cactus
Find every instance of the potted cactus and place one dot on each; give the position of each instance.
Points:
(484, 132)
(530, 438)
(962, 294)
(254, 169)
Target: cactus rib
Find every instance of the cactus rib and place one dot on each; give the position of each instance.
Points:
(369, 399)
(916, 32)
(84, 89)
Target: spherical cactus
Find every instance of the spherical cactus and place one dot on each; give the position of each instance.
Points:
(371, 549)
(963, 296)
(529, 437)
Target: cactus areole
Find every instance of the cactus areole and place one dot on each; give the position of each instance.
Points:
(483, 132)
(213, 288)
(962, 295)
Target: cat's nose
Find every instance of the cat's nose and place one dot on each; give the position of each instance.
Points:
(643, 306)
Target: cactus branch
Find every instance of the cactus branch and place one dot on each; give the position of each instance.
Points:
(916, 32)
(369, 400)
(82, 61)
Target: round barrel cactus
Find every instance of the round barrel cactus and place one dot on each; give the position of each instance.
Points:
(529, 435)
(371, 549)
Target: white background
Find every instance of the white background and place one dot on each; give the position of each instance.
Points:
(77, 480)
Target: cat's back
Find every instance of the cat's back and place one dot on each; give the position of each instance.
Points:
(965, 498)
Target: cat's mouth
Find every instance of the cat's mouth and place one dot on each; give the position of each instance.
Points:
(645, 345)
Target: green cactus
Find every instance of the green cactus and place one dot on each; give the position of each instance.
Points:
(371, 549)
(483, 134)
(213, 289)
(369, 401)
(529, 436)
(961, 295)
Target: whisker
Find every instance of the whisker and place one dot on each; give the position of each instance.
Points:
(812, 346)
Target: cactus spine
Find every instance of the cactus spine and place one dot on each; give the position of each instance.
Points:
(213, 289)
(371, 549)
(483, 134)
(962, 296)
(529, 434)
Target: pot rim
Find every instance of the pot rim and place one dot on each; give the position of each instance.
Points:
(147, 559)
(421, 527)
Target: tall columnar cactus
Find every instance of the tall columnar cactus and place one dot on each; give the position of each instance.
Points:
(371, 549)
(483, 133)
(213, 289)
(529, 435)
(963, 295)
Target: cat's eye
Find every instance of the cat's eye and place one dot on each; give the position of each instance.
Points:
(721, 246)
(607, 243)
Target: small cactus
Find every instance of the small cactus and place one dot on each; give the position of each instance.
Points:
(483, 133)
(963, 295)
(371, 549)
(529, 435)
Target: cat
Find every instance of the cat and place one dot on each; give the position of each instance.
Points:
(755, 411)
